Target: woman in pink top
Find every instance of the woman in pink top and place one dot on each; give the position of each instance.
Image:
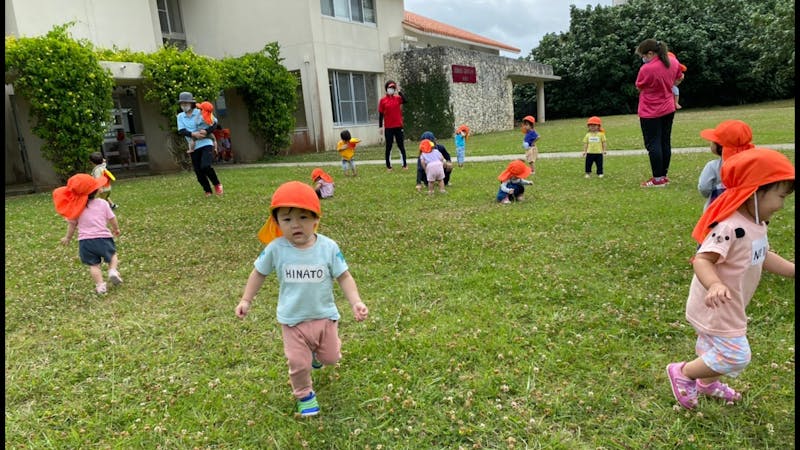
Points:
(659, 72)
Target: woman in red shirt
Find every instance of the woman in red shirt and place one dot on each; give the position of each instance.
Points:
(390, 114)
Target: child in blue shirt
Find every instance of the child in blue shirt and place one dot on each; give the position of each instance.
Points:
(461, 144)
(529, 142)
(306, 263)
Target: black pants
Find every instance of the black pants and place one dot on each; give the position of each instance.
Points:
(657, 134)
(392, 134)
(201, 162)
(596, 159)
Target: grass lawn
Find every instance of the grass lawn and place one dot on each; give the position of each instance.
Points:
(545, 324)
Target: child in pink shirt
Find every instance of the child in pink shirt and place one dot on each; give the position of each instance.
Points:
(90, 216)
(734, 249)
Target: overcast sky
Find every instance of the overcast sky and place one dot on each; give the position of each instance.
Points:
(518, 23)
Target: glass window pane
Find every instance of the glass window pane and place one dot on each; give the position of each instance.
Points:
(341, 9)
(175, 21)
(334, 96)
(162, 19)
(345, 91)
(358, 87)
(355, 11)
(327, 7)
(369, 11)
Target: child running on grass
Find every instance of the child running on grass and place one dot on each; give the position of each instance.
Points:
(727, 269)
(305, 263)
(90, 216)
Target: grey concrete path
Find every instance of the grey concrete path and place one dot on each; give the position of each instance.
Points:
(469, 159)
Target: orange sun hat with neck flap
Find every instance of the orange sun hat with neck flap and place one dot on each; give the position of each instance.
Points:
(733, 135)
(70, 200)
(426, 146)
(742, 174)
(319, 173)
(207, 110)
(516, 168)
(292, 194)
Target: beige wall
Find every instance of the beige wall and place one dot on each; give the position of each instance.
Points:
(131, 24)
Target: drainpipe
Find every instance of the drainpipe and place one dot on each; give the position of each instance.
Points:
(307, 64)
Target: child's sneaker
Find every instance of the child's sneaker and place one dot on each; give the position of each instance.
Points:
(308, 406)
(218, 189)
(683, 388)
(600, 176)
(208, 194)
(721, 390)
(101, 288)
(114, 278)
(505, 200)
(586, 176)
(315, 363)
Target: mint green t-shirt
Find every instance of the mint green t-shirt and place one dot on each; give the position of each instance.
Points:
(305, 277)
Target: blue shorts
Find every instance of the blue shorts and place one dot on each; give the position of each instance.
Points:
(724, 355)
(93, 251)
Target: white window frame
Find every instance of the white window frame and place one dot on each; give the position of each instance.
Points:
(359, 11)
(361, 106)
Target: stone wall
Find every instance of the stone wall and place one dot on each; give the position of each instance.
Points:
(486, 105)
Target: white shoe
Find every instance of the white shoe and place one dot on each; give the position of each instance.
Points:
(114, 278)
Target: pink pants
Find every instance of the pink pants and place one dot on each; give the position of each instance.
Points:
(320, 336)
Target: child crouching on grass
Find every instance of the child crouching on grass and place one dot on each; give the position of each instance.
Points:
(305, 263)
(90, 216)
(513, 182)
(323, 183)
(734, 249)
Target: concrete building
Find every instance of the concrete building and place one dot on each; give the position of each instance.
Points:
(340, 51)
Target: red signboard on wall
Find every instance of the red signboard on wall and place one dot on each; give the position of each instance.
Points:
(464, 74)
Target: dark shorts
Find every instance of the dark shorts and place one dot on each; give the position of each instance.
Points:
(93, 251)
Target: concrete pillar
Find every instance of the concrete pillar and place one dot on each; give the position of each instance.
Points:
(540, 102)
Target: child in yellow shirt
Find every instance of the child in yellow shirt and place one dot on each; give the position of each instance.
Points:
(347, 149)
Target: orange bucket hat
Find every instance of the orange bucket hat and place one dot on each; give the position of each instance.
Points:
(733, 135)
(594, 120)
(465, 129)
(742, 174)
(70, 200)
(426, 145)
(319, 173)
(516, 168)
(293, 194)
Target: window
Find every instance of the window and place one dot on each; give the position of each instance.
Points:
(354, 98)
(362, 11)
(300, 107)
(169, 16)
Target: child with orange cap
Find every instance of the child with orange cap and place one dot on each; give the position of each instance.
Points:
(462, 133)
(347, 149)
(529, 141)
(513, 182)
(323, 183)
(676, 92)
(432, 162)
(90, 216)
(727, 139)
(305, 263)
(594, 146)
(733, 250)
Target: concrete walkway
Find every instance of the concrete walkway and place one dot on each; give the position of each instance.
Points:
(395, 157)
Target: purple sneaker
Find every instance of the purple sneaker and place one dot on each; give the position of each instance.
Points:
(720, 390)
(684, 389)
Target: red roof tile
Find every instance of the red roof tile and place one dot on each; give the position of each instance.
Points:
(431, 26)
